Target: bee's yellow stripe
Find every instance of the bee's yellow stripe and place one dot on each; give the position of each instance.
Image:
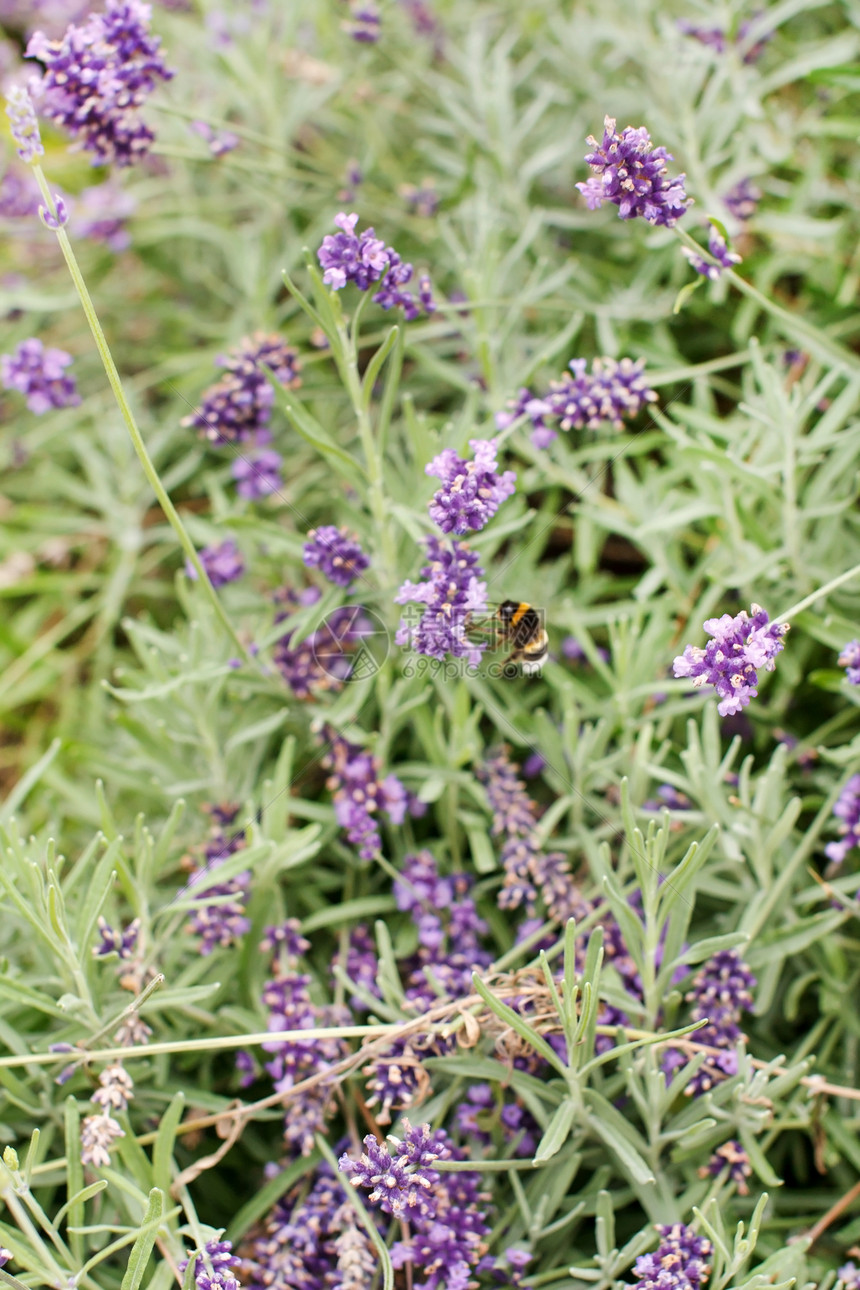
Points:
(521, 610)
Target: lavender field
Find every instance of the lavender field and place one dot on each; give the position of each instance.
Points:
(430, 645)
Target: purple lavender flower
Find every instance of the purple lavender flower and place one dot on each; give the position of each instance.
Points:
(730, 661)
(447, 1229)
(39, 374)
(715, 38)
(100, 212)
(290, 1007)
(850, 659)
(472, 491)
(223, 921)
(219, 141)
(337, 555)
(237, 408)
(742, 199)
(213, 1270)
(631, 173)
(98, 76)
(423, 200)
(613, 392)
(678, 1263)
(18, 198)
(537, 410)
(257, 476)
(718, 248)
(452, 590)
(358, 793)
(732, 1157)
(721, 991)
(323, 660)
(363, 259)
(120, 942)
(849, 1275)
(364, 24)
(56, 218)
(5, 1256)
(25, 127)
(362, 964)
(222, 563)
(847, 810)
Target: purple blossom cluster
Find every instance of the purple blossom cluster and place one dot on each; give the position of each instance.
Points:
(849, 1275)
(731, 1159)
(40, 375)
(213, 1267)
(678, 1263)
(363, 259)
(614, 391)
(222, 563)
(720, 993)
(847, 811)
(481, 1117)
(359, 794)
(719, 249)
(472, 491)
(98, 76)
(631, 173)
(850, 660)
(18, 199)
(336, 554)
(220, 919)
(119, 941)
(530, 873)
(286, 995)
(324, 659)
(364, 24)
(452, 589)
(310, 1240)
(237, 408)
(742, 199)
(730, 662)
(447, 1229)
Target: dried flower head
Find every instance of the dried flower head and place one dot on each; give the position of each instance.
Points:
(97, 1134)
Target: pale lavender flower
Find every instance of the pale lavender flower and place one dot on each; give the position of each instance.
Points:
(742, 199)
(97, 1134)
(56, 218)
(678, 1263)
(631, 173)
(98, 76)
(358, 793)
(257, 476)
(730, 661)
(338, 556)
(5, 1256)
(119, 942)
(222, 563)
(472, 491)
(297, 1244)
(614, 391)
(25, 127)
(222, 921)
(422, 200)
(732, 1157)
(214, 1270)
(115, 1090)
(721, 991)
(718, 248)
(847, 811)
(219, 141)
(537, 410)
(40, 375)
(849, 1275)
(99, 213)
(452, 590)
(325, 658)
(237, 408)
(850, 659)
(18, 195)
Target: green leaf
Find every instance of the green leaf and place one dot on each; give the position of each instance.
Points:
(375, 365)
(522, 1028)
(162, 1152)
(558, 1131)
(142, 1248)
(618, 1135)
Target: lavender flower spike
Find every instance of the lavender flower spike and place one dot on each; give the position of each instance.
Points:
(472, 491)
(39, 374)
(850, 659)
(730, 661)
(98, 76)
(678, 1263)
(719, 250)
(847, 811)
(25, 127)
(631, 173)
(452, 590)
(346, 257)
(220, 1258)
(222, 563)
(337, 555)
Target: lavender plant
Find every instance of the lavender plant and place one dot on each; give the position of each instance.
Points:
(333, 954)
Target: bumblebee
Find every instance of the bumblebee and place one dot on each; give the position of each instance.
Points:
(519, 625)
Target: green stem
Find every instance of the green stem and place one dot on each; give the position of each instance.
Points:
(817, 342)
(816, 595)
(131, 425)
